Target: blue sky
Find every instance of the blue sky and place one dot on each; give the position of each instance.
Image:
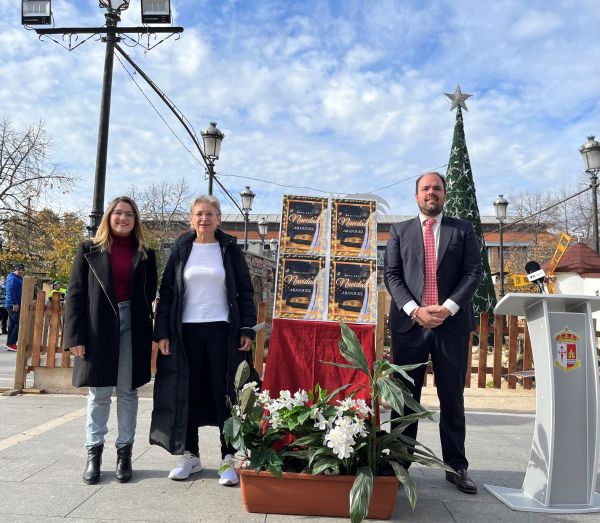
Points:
(339, 97)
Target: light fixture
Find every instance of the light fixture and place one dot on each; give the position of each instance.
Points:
(156, 11)
(212, 138)
(590, 151)
(247, 199)
(500, 206)
(263, 227)
(36, 12)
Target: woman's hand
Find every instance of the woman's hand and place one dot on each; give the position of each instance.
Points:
(245, 343)
(78, 350)
(163, 347)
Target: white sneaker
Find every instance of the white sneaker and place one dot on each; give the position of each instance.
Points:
(229, 476)
(189, 464)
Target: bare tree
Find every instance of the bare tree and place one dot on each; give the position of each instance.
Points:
(164, 208)
(25, 172)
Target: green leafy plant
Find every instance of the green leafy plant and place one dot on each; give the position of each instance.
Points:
(312, 432)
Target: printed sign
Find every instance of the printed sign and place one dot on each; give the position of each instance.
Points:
(352, 290)
(566, 350)
(353, 228)
(304, 226)
(300, 287)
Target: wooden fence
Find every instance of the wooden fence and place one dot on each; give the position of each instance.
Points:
(507, 358)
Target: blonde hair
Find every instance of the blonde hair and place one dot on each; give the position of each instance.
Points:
(103, 237)
(211, 200)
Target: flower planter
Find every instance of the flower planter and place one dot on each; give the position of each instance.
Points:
(312, 495)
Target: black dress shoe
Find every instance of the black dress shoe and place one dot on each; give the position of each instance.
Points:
(91, 474)
(462, 481)
(123, 472)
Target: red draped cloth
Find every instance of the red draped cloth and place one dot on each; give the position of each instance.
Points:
(297, 348)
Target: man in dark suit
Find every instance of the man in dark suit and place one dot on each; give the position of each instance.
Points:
(432, 269)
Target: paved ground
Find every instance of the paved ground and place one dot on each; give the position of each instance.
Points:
(42, 458)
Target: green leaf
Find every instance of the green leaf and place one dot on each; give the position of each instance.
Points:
(360, 494)
(403, 369)
(241, 375)
(329, 397)
(328, 462)
(394, 395)
(409, 485)
(247, 400)
(351, 349)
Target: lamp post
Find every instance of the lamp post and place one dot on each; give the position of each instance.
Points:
(500, 206)
(247, 199)
(39, 12)
(590, 151)
(274, 244)
(212, 139)
(263, 227)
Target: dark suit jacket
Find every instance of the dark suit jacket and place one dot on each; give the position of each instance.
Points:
(458, 271)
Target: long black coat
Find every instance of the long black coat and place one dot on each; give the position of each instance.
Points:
(171, 383)
(92, 316)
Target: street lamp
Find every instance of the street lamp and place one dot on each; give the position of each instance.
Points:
(156, 11)
(212, 139)
(247, 199)
(590, 151)
(39, 12)
(263, 227)
(500, 206)
(274, 243)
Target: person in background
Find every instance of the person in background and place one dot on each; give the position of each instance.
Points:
(56, 289)
(3, 311)
(204, 323)
(108, 327)
(14, 290)
(432, 269)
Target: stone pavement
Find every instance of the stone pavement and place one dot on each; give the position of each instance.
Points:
(42, 459)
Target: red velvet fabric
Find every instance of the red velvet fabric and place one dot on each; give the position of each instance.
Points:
(295, 351)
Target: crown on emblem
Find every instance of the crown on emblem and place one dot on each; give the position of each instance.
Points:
(566, 335)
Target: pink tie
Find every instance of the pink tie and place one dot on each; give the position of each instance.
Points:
(430, 292)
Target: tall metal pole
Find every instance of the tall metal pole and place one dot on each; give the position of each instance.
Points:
(246, 231)
(594, 177)
(101, 153)
(501, 260)
(211, 174)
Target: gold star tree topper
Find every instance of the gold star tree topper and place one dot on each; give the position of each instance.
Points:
(458, 98)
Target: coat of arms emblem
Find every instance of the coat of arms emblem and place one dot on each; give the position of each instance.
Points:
(566, 350)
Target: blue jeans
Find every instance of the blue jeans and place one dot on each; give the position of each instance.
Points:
(99, 398)
(13, 326)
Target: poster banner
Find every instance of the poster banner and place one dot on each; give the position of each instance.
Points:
(300, 287)
(352, 290)
(353, 228)
(303, 225)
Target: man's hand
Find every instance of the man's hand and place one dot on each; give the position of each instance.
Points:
(426, 316)
(439, 311)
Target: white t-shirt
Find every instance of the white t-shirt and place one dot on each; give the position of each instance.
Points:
(205, 296)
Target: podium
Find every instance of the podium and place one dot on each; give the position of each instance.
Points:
(561, 473)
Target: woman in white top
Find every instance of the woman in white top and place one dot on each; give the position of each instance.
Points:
(204, 323)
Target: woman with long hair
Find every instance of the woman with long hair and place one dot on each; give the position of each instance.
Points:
(204, 323)
(108, 327)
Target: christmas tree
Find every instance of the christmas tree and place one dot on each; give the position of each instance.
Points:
(461, 201)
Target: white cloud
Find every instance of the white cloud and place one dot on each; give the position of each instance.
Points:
(535, 24)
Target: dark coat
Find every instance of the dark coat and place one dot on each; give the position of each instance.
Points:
(458, 271)
(169, 417)
(92, 316)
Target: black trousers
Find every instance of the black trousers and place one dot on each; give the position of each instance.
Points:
(206, 347)
(448, 353)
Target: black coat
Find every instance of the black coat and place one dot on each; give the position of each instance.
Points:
(92, 316)
(171, 383)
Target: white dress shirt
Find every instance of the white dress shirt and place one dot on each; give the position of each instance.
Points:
(410, 306)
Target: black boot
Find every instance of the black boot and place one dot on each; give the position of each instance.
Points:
(123, 472)
(91, 474)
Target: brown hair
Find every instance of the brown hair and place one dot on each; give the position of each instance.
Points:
(103, 237)
(440, 176)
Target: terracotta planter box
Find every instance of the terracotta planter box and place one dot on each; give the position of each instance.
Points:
(312, 495)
